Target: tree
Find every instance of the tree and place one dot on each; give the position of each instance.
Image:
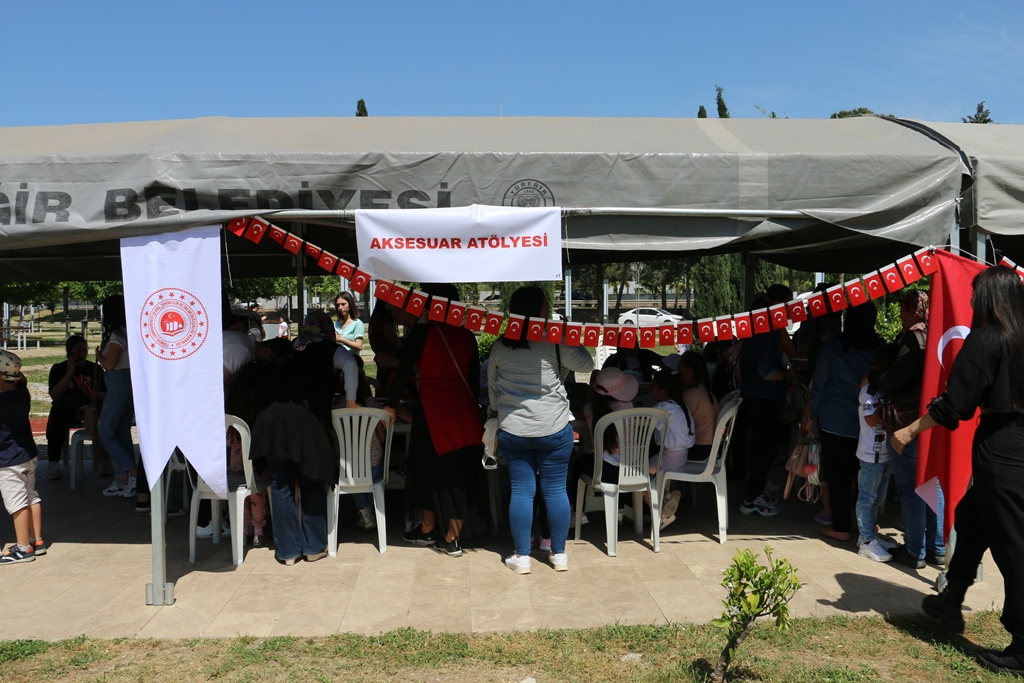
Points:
(723, 111)
(361, 108)
(847, 113)
(982, 115)
(717, 285)
(702, 113)
(765, 112)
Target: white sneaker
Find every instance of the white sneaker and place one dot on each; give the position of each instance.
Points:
(560, 561)
(207, 531)
(115, 489)
(366, 520)
(886, 545)
(520, 565)
(670, 505)
(129, 488)
(873, 551)
(583, 520)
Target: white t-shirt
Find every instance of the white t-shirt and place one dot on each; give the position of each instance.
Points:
(678, 437)
(238, 350)
(118, 337)
(872, 442)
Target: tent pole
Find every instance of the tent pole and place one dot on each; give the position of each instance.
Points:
(160, 592)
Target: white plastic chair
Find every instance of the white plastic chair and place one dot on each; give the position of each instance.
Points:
(75, 452)
(635, 428)
(240, 487)
(355, 429)
(711, 470)
(731, 396)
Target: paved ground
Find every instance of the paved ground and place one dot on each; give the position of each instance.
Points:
(93, 579)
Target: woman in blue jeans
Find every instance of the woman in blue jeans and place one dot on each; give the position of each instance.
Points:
(535, 437)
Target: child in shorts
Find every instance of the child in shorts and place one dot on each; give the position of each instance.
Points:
(18, 460)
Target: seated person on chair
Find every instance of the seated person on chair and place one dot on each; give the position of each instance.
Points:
(640, 363)
(71, 388)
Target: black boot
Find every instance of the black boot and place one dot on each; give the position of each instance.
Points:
(1010, 660)
(947, 605)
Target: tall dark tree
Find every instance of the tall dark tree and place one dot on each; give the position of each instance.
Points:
(723, 111)
(717, 285)
(980, 116)
(702, 113)
(361, 108)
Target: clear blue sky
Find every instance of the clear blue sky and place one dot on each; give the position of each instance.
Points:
(114, 60)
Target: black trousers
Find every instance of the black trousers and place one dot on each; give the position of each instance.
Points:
(63, 416)
(759, 429)
(840, 467)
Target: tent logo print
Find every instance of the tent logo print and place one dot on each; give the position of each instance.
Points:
(172, 323)
(528, 194)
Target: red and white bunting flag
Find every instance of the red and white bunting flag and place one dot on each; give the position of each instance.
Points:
(873, 285)
(292, 243)
(648, 337)
(908, 269)
(399, 293)
(797, 310)
(723, 327)
(573, 334)
(610, 335)
(591, 335)
(1008, 263)
(237, 226)
(514, 328)
(836, 298)
(667, 335)
(415, 302)
(256, 229)
(1020, 273)
(475, 318)
(778, 316)
(492, 325)
(705, 330)
(627, 337)
(553, 334)
(684, 332)
(760, 320)
(345, 269)
(891, 278)
(535, 329)
(816, 305)
(383, 289)
(313, 250)
(926, 260)
(855, 293)
(327, 261)
(438, 307)
(744, 329)
(277, 234)
(456, 313)
(359, 281)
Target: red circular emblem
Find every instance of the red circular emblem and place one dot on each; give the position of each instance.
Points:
(173, 323)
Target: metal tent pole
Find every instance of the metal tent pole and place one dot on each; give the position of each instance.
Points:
(160, 591)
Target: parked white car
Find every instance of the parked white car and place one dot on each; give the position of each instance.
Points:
(649, 316)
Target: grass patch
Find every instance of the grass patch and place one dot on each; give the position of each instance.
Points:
(833, 649)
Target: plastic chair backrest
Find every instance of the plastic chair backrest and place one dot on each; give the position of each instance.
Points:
(635, 427)
(245, 438)
(355, 428)
(728, 398)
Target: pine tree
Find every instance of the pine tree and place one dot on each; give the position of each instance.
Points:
(980, 116)
(702, 113)
(361, 108)
(723, 111)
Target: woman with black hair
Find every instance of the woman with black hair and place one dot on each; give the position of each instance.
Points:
(115, 423)
(988, 373)
(702, 404)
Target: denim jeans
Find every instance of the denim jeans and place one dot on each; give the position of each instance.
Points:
(365, 500)
(115, 425)
(872, 485)
(921, 525)
(296, 534)
(526, 457)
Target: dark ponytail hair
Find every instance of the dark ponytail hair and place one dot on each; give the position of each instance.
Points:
(527, 302)
(999, 303)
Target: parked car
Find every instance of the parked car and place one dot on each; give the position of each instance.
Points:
(649, 316)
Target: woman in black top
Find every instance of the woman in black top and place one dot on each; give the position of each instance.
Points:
(987, 373)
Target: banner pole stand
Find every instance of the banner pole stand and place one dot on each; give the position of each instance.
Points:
(160, 592)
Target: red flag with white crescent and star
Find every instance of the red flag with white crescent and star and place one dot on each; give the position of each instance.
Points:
(944, 455)
(438, 307)
(475, 318)
(553, 335)
(573, 334)
(492, 325)
(514, 328)
(415, 302)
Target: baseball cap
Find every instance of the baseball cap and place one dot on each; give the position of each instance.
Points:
(10, 367)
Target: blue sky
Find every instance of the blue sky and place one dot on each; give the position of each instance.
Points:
(87, 62)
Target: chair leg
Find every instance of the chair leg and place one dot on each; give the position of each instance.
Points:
(581, 491)
(236, 505)
(216, 518)
(655, 518)
(638, 512)
(721, 493)
(378, 508)
(611, 520)
(332, 521)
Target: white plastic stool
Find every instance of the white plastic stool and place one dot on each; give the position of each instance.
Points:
(76, 452)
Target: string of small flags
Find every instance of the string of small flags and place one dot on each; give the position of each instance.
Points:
(886, 280)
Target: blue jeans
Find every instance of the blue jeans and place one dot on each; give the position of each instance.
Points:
(921, 525)
(296, 534)
(526, 457)
(115, 425)
(872, 485)
(365, 500)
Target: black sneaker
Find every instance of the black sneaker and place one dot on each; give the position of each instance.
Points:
(1008, 661)
(417, 537)
(15, 555)
(906, 559)
(449, 548)
(142, 506)
(934, 559)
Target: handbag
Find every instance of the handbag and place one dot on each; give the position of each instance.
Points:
(813, 465)
(896, 413)
(490, 438)
(796, 466)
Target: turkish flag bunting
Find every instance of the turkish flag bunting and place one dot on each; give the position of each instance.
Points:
(514, 329)
(744, 329)
(456, 312)
(345, 269)
(277, 234)
(438, 306)
(256, 229)
(648, 337)
(926, 260)
(415, 302)
(778, 316)
(591, 335)
(611, 335)
(1020, 273)
(855, 293)
(891, 278)
(237, 225)
(1007, 263)
(553, 334)
(667, 335)
(327, 260)
(797, 310)
(684, 333)
(909, 269)
(723, 327)
(292, 243)
(535, 329)
(399, 293)
(627, 337)
(759, 319)
(573, 334)
(475, 318)
(816, 304)
(836, 298)
(360, 281)
(942, 454)
(313, 250)
(705, 330)
(493, 323)
(873, 285)
(383, 290)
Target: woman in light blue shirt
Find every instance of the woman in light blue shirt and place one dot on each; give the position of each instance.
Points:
(348, 330)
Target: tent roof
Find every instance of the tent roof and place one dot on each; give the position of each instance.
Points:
(856, 191)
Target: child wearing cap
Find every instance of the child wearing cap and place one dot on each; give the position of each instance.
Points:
(18, 459)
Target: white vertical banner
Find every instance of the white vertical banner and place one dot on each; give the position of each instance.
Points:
(173, 305)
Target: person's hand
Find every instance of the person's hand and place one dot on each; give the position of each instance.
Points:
(901, 439)
(808, 427)
(392, 414)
